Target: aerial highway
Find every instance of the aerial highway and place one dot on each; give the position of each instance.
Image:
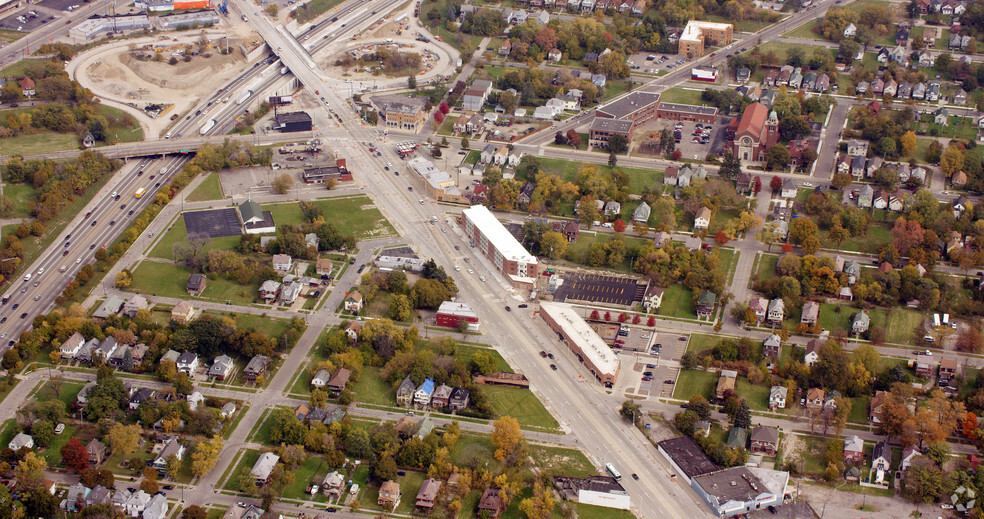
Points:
(579, 404)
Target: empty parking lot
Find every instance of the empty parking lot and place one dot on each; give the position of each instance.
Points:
(216, 223)
(597, 288)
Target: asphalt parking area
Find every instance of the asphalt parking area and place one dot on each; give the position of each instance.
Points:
(597, 288)
(671, 347)
(660, 385)
(30, 23)
(716, 143)
(60, 5)
(216, 223)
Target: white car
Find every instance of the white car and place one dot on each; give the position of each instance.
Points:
(470, 271)
(78, 260)
(457, 268)
(41, 271)
(481, 278)
(807, 184)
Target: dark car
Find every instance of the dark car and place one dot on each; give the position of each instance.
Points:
(409, 188)
(112, 222)
(123, 206)
(352, 261)
(550, 355)
(140, 173)
(93, 246)
(682, 339)
(168, 487)
(361, 268)
(509, 309)
(772, 508)
(668, 381)
(635, 476)
(543, 354)
(524, 305)
(24, 315)
(130, 212)
(64, 253)
(117, 197)
(331, 509)
(93, 223)
(15, 306)
(88, 214)
(552, 366)
(3, 320)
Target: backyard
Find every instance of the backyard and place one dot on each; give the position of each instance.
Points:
(169, 280)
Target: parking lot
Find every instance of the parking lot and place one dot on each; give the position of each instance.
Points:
(25, 20)
(599, 288)
(641, 63)
(716, 140)
(672, 345)
(635, 381)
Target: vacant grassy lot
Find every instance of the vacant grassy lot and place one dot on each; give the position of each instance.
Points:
(879, 234)
(372, 389)
(558, 460)
(118, 132)
(678, 302)
(692, 382)
(767, 266)
(757, 395)
(901, 325)
(679, 95)
(246, 462)
(700, 342)
(38, 143)
(313, 9)
(209, 189)
(22, 195)
(567, 169)
(356, 215)
(169, 280)
(178, 233)
(578, 251)
(520, 404)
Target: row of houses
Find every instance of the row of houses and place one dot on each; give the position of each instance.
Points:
(130, 503)
(861, 167)
(793, 77)
(428, 395)
(634, 7)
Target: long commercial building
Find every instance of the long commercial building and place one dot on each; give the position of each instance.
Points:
(190, 19)
(589, 348)
(495, 241)
(97, 25)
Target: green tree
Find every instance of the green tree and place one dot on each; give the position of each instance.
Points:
(617, 143)
(484, 362)
(730, 165)
(743, 417)
(400, 308)
(553, 244)
(777, 157)
(412, 82)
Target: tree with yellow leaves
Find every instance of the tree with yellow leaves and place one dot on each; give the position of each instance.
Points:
(205, 456)
(507, 438)
(124, 438)
(541, 505)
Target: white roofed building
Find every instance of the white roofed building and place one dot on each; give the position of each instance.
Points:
(496, 242)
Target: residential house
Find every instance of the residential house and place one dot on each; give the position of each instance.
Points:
(814, 399)
(653, 298)
(389, 495)
(878, 86)
(613, 208)
(705, 304)
(909, 454)
(270, 290)
(156, 508)
(737, 438)
(703, 219)
(196, 284)
(853, 271)
(641, 213)
(228, 410)
(960, 98)
(70, 348)
(353, 302)
(405, 392)
(19, 441)
(136, 503)
(27, 87)
(876, 407)
(891, 87)
(772, 346)
(823, 83)
(282, 262)
(857, 148)
(422, 395)
(459, 399)
(948, 370)
(320, 378)
(830, 400)
(75, 498)
(941, 116)
(183, 312)
(221, 367)
(776, 311)
(764, 440)
(100, 495)
(441, 396)
(505, 48)
(97, 452)
(759, 305)
(172, 447)
(187, 362)
(925, 366)
(853, 450)
(333, 485)
(850, 31)
(902, 37)
(263, 468)
(491, 503)
(777, 397)
(860, 323)
(726, 384)
(919, 91)
(881, 457)
(810, 313)
(105, 349)
(866, 196)
(257, 366)
(904, 91)
(427, 495)
(134, 305)
(339, 379)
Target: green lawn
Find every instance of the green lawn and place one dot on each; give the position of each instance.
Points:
(859, 410)
(805, 30)
(700, 342)
(767, 266)
(680, 95)
(678, 302)
(169, 280)
(20, 68)
(901, 324)
(835, 317)
(38, 143)
(372, 389)
(10, 36)
(53, 453)
(585, 511)
(879, 234)
(118, 132)
(614, 89)
(209, 189)
(693, 382)
(313, 466)
(270, 326)
(959, 127)
(356, 215)
(67, 391)
(577, 252)
(756, 395)
(741, 25)
(520, 404)
(22, 195)
(178, 233)
(567, 169)
(781, 48)
(246, 462)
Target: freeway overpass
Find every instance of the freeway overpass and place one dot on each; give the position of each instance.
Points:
(176, 146)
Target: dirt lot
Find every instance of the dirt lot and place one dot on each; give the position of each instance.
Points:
(121, 74)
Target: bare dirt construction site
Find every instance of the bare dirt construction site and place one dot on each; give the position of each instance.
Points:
(357, 62)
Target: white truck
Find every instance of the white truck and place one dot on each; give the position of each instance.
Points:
(243, 97)
(207, 127)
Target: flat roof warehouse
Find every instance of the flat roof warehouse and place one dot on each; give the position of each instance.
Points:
(599, 354)
(498, 235)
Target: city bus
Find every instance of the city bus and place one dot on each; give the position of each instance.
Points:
(611, 470)
(139, 193)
